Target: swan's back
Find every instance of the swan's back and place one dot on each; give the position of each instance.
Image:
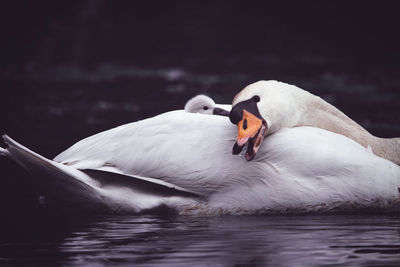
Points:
(169, 146)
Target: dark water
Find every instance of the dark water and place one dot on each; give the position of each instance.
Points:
(213, 241)
(73, 70)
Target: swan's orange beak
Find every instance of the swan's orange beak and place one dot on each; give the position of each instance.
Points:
(247, 127)
(251, 130)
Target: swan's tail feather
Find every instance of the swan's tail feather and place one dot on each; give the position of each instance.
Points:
(64, 183)
(4, 152)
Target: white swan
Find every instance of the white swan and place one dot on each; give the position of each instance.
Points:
(192, 169)
(265, 107)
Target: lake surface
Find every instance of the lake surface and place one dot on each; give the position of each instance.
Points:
(148, 240)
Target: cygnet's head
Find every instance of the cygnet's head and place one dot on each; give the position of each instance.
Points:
(204, 105)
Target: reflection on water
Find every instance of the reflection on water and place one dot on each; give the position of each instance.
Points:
(217, 241)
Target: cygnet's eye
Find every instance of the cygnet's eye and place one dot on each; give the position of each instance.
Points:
(256, 98)
(205, 108)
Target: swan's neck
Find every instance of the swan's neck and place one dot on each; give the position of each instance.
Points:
(323, 115)
(388, 148)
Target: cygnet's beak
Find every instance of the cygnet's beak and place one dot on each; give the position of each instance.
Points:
(251, 130)
(221, 112)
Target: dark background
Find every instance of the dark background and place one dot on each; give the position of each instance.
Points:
(69, 69)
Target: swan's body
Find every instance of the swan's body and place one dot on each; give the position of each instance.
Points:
(296, 169)
(283, 105)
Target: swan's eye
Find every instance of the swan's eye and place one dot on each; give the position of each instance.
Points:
(256, 98)
(245, 124)
(205, 107)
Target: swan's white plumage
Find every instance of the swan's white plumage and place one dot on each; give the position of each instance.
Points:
(296, 169)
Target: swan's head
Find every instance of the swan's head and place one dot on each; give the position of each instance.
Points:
(204, 105)
(262, 108)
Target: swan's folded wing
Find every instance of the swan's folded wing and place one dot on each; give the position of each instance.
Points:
(85, 183)
(139, 183)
